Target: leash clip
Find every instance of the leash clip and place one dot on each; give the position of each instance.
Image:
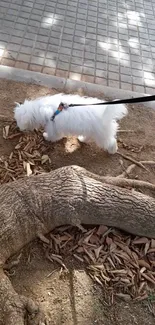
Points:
(60, 108)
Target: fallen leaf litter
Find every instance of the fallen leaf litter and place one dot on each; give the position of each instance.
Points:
(123, 263)
(28, 157)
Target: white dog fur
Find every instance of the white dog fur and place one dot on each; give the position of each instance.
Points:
(96, 123)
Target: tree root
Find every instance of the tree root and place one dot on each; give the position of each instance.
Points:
(129, 183)
(127, 172)
(120, 181)
(8, 266)
(16, 309)
(69, 195)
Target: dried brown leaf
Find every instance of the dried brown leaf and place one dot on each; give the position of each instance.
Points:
(97, 251)
(101, 230)
(104, 277)
(123, 296)
(88, 236)
(152, 243)
(80, 249)
(94, 239)
(141, 287)
(122, 255)
(151, 250)
(58, 260)
(147, 245)
(125, 280)
(12, 136)
(86, 259)
(90, 255)
(78, 258)
(124, 248)
(142, 297)
(144, 263)
(28, 169)
(111, 262)
(117, 259)
(139, 241)
(148, 278)
(142, 270)
(18, 146)
(31, 163)
(44, 159)
(64, 238)
(43, 238)
(11, 156)
(109, 241)
(122, 271)
(135, 257)
(6, 131)
(98, 280)
(113, 247)
(128, 241)
(98, 267)
(55, 239)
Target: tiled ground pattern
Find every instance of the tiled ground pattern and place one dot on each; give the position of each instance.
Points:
(109, 42)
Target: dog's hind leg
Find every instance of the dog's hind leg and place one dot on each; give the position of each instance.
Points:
(54, 138)
(106, 138)
(109, 145)
(46, 137)
(112, 147)
(83, 139)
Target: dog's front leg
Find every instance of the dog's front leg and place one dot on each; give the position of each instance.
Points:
(46, 137)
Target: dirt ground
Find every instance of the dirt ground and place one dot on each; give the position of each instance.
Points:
(74, 299)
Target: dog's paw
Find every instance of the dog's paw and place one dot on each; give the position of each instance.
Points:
(81, 138)
(113, 148)
(45, 135)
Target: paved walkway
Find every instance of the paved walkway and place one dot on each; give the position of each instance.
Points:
(109, 42)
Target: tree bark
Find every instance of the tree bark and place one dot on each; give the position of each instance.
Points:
(69, 195)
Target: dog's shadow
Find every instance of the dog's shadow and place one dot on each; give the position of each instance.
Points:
(69, 151)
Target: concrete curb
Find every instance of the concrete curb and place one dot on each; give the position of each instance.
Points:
(68, 85)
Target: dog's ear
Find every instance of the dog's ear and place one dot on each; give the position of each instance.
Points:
(18, 104)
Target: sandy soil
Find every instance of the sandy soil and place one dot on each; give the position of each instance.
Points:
(74, 299)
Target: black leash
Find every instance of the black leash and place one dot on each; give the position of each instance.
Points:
(120, 101)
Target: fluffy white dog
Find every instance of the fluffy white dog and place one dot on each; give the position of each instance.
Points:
(96, 123)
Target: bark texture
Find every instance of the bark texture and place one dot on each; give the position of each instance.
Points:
(69, 195)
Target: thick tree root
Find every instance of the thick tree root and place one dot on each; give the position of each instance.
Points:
(119, 181)
(69, 195)
(129, 183)
(16, 309)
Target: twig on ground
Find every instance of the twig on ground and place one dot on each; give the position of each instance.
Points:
(127, 171)
(133, 161)
(131, 167)
(151, 162)
(126, 131)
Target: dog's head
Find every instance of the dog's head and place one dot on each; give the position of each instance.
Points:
(24, 116)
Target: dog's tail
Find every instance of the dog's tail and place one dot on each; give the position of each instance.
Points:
(114, 112)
